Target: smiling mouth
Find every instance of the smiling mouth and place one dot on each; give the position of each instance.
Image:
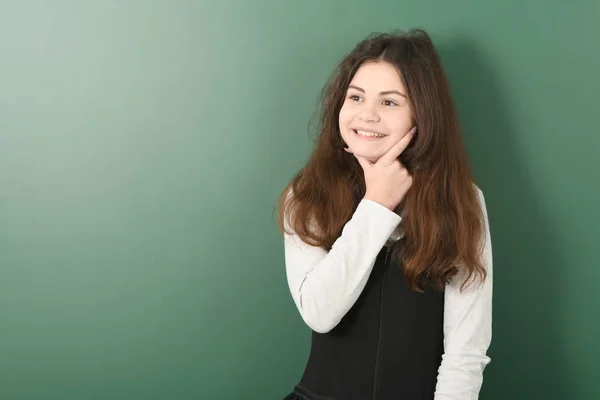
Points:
(368, 134)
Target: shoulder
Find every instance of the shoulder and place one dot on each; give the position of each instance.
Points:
(287, 198)
(482, 202)
(478, 192)
(296, 213)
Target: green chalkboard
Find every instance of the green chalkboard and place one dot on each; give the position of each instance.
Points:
(143, 145)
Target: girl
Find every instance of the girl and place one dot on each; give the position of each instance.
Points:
(387, 244)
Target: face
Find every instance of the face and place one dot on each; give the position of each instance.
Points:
(376, 113)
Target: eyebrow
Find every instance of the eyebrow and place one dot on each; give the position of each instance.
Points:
(381, 93)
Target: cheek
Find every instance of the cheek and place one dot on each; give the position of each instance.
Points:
(400, 125)
(343, 117)
(344, 120)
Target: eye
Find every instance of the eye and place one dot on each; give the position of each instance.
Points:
(354, 97)
(389, 103)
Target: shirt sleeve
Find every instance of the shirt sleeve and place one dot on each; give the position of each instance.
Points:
(326, 284)
(467, 330)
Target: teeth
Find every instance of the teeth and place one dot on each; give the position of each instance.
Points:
(371, 134)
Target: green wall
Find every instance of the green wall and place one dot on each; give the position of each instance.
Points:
(143, 145)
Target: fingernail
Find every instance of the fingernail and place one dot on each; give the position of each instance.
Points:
(413, 130)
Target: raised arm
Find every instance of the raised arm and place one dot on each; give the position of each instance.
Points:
(325, 285)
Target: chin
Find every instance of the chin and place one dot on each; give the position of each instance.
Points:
(373, 157)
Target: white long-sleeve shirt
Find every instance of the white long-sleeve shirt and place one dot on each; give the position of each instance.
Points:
(325, 285)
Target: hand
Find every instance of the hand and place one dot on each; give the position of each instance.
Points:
(387, 180)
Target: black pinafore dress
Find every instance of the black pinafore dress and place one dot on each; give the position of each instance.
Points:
(388, 346)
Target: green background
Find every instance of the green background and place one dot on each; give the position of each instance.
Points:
(143, 145)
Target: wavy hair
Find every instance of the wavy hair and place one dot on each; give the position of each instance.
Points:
(442, 215)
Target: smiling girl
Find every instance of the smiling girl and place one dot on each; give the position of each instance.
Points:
(387, 243)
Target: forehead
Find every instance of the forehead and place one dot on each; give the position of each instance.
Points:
(377, 76)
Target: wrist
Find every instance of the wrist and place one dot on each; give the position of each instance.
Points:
(385, 204)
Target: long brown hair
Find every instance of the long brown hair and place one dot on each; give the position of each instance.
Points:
(442, 216)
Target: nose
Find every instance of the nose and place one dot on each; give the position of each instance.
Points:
(368, 114)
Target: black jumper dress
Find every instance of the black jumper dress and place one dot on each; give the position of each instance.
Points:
(388, 346)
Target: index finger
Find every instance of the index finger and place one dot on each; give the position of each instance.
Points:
(392, 154)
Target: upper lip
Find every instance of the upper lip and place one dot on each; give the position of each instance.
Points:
(368, 130)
